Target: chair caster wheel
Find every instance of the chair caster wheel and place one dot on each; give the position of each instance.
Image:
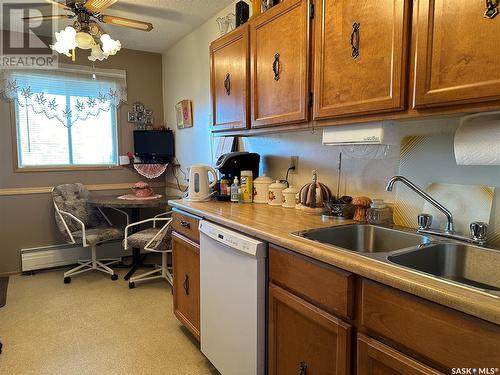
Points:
(131, 285)
(67, 280)
(114, 277)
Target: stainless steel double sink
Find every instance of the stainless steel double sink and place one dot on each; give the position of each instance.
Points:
(474, 267)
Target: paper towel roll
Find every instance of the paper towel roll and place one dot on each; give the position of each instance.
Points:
(477, 140)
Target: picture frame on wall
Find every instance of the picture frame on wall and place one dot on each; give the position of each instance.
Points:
(184, 114)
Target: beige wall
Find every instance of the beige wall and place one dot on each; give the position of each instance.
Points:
(27, 220)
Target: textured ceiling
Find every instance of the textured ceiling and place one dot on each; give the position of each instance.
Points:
(172, 19)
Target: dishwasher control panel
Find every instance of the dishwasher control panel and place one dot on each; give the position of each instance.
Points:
(233, 239)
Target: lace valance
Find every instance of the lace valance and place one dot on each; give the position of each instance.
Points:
(69, 94)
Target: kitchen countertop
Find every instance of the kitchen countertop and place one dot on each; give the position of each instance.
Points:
(274, 224)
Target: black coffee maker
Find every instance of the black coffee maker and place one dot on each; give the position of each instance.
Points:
(230, 166)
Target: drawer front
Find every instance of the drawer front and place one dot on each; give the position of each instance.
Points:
(304, 339)
(186, 224)
(440, 335)
(376, 358)
(186, 288)
(323, 285)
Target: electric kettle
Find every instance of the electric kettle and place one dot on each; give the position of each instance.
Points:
(199, 184)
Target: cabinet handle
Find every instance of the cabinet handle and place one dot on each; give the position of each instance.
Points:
(227, 84)
(276, 67)
(185, 224)
(355, 40)
(302, 368)
(491, 9)
(185, 285)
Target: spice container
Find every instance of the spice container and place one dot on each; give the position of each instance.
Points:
(379, 213)
(276, 193)
(290, 197)
(261, 189)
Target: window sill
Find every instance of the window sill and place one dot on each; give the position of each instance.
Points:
(68, 168)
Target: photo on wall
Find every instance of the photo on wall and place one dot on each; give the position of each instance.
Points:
(184, 114)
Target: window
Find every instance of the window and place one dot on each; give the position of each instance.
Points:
(65, 120)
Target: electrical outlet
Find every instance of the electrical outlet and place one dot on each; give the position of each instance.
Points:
(294, 162)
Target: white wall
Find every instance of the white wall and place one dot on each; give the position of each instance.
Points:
(186, 76)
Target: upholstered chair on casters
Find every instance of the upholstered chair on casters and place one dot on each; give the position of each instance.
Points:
(81, 223)
(155, 239)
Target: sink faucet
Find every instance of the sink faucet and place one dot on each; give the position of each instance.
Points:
(449, 225)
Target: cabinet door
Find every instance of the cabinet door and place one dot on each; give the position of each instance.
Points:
(280, 64)
(360, 57)
(375, 358)
(457, 53)
(186, 269)
(229, 79)
(304, 339)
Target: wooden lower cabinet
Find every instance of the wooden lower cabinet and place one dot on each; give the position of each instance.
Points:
(375, 358)
(186, 288)
(304, 339)
(440, 336)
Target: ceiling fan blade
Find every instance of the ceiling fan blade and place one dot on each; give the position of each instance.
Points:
(126, 22)
(51, 17)
(97, 6)
(57, 3)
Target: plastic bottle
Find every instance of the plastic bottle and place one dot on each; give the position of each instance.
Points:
(247, 186)
(234, 190)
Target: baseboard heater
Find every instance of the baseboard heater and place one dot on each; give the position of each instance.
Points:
(39, 258)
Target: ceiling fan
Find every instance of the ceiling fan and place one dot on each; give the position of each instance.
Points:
(85, 33)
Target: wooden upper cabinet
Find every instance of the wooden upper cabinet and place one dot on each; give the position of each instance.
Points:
(457, 55)
(279, 64)
(360, 57)
(229, 80)
(304, 339)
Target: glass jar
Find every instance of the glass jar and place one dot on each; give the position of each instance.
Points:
(379, 213)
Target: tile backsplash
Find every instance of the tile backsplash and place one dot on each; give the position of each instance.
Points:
(368, 175)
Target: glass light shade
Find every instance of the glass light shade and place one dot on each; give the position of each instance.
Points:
(110, 46)
(97, 54)
(84, 40)
(65, 41)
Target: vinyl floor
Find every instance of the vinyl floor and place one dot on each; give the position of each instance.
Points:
(94, 326)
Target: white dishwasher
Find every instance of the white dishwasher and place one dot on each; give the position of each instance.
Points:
(232, 300)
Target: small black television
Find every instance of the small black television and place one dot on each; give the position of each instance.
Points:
(154, 145)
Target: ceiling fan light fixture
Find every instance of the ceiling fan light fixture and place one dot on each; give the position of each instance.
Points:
(65, 41)
(97, 54)
(84, 40)
(109, 46)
